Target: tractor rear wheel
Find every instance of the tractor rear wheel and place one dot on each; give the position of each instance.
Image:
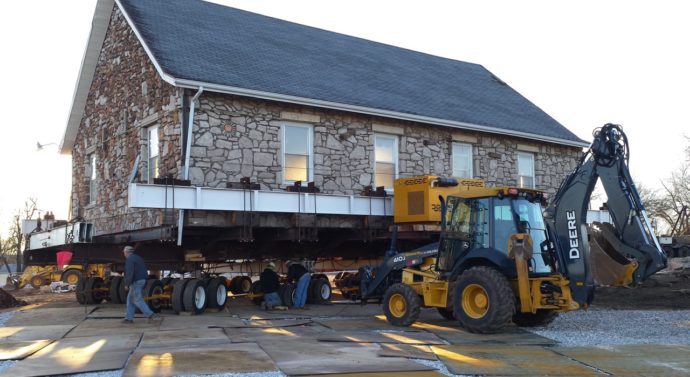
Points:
(401, 305)
(483, 301)
(540, 318)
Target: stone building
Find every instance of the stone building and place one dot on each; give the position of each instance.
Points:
(280, 102)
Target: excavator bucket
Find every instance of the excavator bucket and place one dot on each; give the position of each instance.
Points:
(609, 265)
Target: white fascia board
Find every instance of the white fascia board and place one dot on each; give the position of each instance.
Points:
(99, 26)
(191, 84)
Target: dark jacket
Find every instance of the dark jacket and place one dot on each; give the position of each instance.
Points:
(269, 281)
(135, 269)
(295, 271)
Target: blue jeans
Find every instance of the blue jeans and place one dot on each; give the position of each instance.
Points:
(302, 287)
(136, 297)
(272, 299)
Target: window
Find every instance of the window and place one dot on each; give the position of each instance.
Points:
(386, 160)
(462, 160)
(91, 178)
(297, 153)
(525, 170)
(153, 153)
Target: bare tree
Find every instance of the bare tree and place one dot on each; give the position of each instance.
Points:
(14, 243)
(675, 196)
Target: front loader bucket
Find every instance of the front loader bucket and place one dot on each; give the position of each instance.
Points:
(608, 265)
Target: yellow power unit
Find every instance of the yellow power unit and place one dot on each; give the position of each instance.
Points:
(415, 199)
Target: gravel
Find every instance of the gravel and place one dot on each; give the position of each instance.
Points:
(617, 327)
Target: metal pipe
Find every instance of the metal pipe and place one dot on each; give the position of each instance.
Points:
(188, 152)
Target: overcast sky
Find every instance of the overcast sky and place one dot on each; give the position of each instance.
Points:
(585, 63)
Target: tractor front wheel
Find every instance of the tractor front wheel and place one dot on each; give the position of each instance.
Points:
(401, 305)
(483, 301)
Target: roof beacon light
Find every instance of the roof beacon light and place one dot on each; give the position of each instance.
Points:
(513, 191)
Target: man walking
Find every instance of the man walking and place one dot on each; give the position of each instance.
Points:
(297, 272)
(269, 286)
(135, 279)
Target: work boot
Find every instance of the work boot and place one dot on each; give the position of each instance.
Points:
(155, 317)
(127, 322)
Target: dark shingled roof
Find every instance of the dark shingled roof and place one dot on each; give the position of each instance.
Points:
(215, 44)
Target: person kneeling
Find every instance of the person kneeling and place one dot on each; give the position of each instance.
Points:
(269, 286)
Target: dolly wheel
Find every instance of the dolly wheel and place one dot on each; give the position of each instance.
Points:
(321, 291)
(80, 291)
(483, 301)
(93, 287)
(256, 289)
(114, 291)
(401, 305)
(216, 293)
(154, 287)
(177, 296)
(195, 296)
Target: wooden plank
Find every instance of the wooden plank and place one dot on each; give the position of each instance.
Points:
(26, 333)
(17, 350)
(399, 337)
(407, 351)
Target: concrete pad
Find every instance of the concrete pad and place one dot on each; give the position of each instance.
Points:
(175, 322)
(24, 333)
(105, 327)
(49, 316)
(457, 335)
(17, 350)
(504, 360)
(305, 357)
(233, 358)
(76, 355)
(270, 334)
(634, 360)
(407, 351)
(399, 337)
(188, 337)
(426, 373)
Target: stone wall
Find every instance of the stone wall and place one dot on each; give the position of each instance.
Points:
(126, 96)
(238, 137)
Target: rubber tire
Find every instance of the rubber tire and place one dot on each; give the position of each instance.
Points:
(153, 287)
(79, 291)
(446, 313)
(540, 318)
(166, 281)
(37, 281)
(287, 293)
(194, 287)
(501, 300)
(256, 288)
(71, 273)
(93, 284)
(114, 291)
(318, 291)
(216, 293)
(177, 296)
(244, 284)
(412, 305)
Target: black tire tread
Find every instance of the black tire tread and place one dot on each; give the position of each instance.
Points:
(177, 296)
(501, 300)
(114, 291)
(413, 304)
(189, 292)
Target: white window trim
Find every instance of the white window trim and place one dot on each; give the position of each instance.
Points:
(310, 150)
(395, 157)
(149, 178)
(92, 177)
(531, 156)
(452, 158)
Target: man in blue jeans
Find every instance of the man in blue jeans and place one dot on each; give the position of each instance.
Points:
(297, 272)
(135, 279)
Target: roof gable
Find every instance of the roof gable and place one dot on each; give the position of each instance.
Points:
(195, 43)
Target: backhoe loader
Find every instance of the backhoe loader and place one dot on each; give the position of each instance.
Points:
(501, 257)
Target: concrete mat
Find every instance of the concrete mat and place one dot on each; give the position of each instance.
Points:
(329, 358)
(233, 358)
(408, 351)
(426, 373)
(23, 333)
(76, 355)
(181, 322)
(105, 327)
(504, 360)
(188, 337)
(17, 350)
(49, 316)
(634, 360)
(400, 337)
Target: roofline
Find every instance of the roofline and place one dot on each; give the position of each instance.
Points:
(193, 84)
(100, 25)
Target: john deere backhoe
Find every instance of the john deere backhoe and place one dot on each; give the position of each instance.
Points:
(502, 257)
